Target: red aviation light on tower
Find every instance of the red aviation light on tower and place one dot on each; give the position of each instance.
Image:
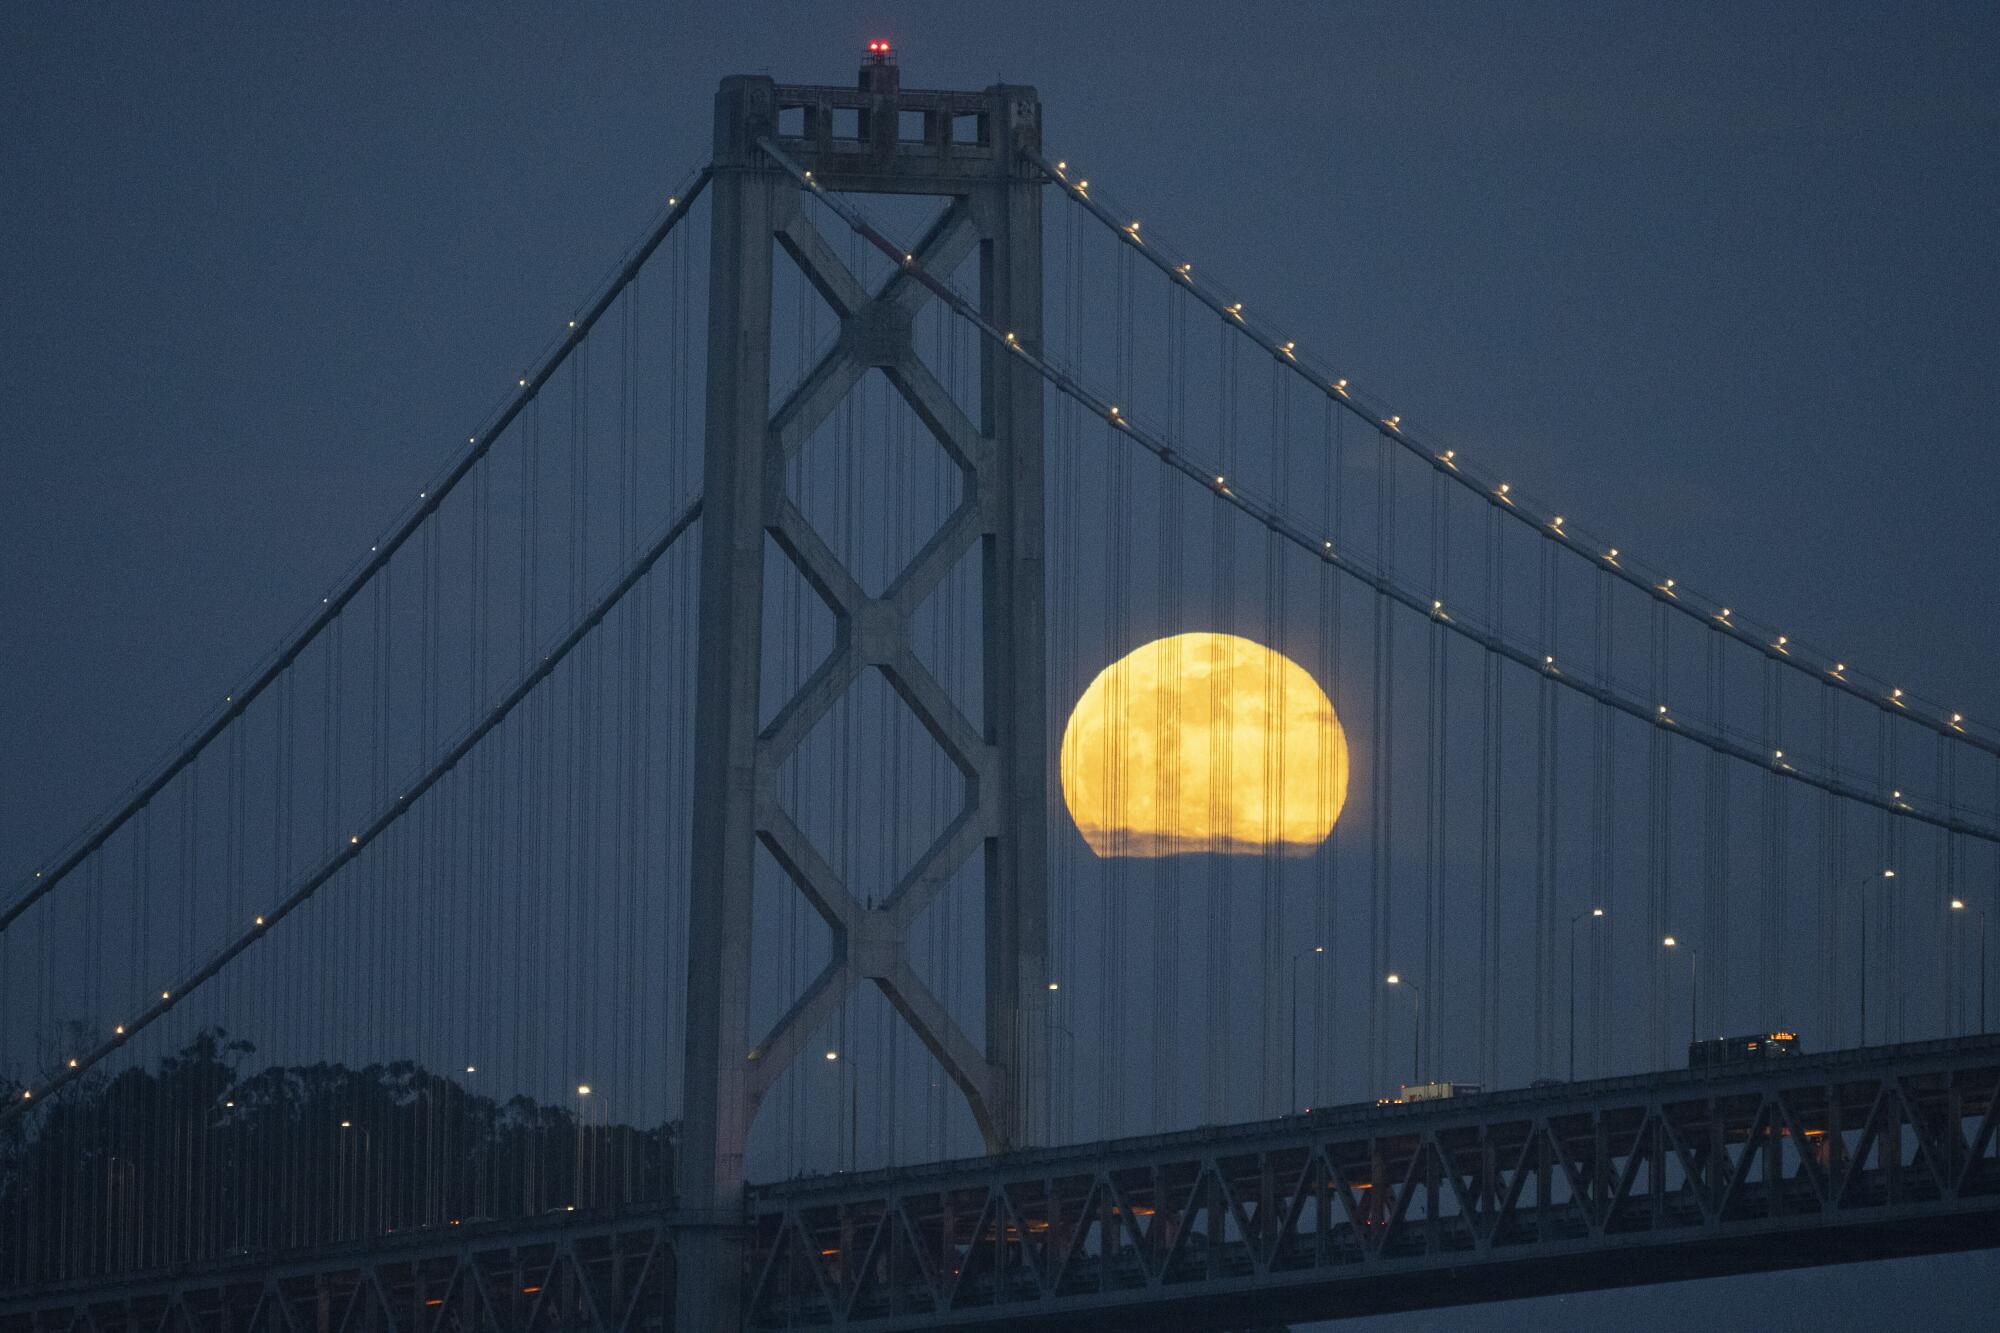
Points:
(879, 49)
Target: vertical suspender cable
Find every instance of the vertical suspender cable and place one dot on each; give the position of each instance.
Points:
(1434, 772)
(1834, 1013)
(1167, 898)
(1545, 822)
(1116, 977)
(1715, 888)
(1271, 953)
(1771, 999)
(1659, 884)
(1215, 958)
(1489, 821)
(1946, 882)
(1326, 907)
(1892, 913)
(1604, 878)
(1379, 902)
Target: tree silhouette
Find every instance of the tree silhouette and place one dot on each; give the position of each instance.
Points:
(200, 1161)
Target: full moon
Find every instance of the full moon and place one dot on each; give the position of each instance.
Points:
(1204, 743)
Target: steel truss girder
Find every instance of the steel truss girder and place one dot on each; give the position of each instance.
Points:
(1855, 1155)
(597, 1275)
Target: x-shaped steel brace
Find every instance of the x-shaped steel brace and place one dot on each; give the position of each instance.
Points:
(871, 943)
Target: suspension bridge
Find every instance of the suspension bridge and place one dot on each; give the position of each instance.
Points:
(647, 889)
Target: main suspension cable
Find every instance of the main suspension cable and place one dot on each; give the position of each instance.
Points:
(391, 812)
(1783, 648)
(477, 447)
(1606, 693)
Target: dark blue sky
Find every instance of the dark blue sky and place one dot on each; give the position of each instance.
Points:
(1721, 280)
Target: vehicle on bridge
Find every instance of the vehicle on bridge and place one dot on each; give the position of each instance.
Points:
(1430, 1092)
(1757, 1046)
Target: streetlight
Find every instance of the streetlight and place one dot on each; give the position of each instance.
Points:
(1960, 905)
(363, 1160)
(1316, 949)
(1595, 913)
(1886, 874)
(853, 1115)
(1694, 985)
(579, 1188)
(1417, 1033)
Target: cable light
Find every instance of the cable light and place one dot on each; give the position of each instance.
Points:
(965, 309)
(1611, 557)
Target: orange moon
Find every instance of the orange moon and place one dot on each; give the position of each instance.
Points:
(1204, 743)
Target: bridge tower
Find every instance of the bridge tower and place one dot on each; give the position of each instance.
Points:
(970, 156)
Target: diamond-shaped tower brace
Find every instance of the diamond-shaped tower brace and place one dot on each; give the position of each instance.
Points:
(967, 150)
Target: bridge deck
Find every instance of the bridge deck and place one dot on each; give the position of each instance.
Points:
(1853, 1155)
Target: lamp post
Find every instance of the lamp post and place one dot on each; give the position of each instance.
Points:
(1595, 914)
(1872, 879)
(362, 1160)
(1417, 1029)
(853, 1113)
(1960, 905)
(1694, 985)
(1054, 1064)
(1315, 949)
(579, 1196)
